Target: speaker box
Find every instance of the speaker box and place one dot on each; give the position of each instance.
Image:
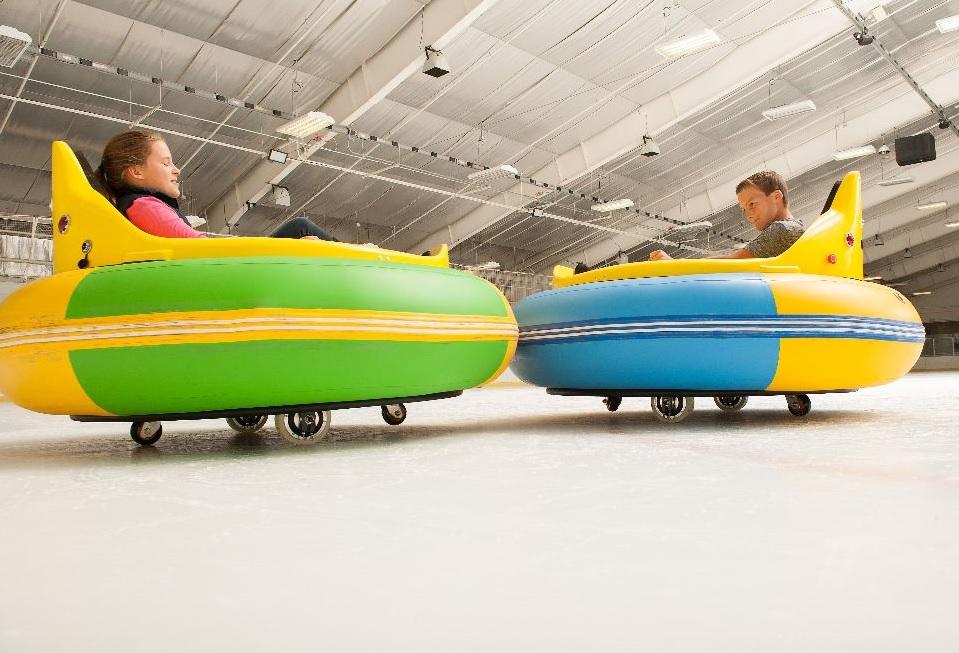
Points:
(915, 149)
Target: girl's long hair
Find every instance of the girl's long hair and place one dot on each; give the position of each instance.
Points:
(129, 148)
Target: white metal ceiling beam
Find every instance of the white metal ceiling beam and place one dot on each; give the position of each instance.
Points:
(26, 77)
(758, 56)
(442, 21)
(720, 194)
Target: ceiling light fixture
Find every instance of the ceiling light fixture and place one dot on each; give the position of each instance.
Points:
(493, 173)
(489, 265)
(13, 43)
(895, 181)
(952, 225)
(789, 110)
(702, 224)
(688, 45)
(281, 195)
(872, 278)
(932, 206)
(878, 241)
(649, 147)
(854, 152)
(307, 125)
(277, 156)
(907, 253)
(435, 64)
(921, 293)
(614, 205)
(950, 24)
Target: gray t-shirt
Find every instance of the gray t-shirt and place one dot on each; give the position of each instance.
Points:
(776, 238)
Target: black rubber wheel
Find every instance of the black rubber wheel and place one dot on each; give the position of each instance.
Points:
(146, 433)
(393, 414)
(613, 403)
(247, 423)
(671, 408)
(307, 427)
(730, 403)
(799, 405)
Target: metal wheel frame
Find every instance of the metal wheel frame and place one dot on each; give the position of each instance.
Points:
(146, 433)
(303, 428)
(799, 405)
(247, 423)
(393, 414)
(738, 404)
(672, 408)
(612, 403)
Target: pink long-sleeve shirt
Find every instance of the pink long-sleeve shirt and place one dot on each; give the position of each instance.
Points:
(154, 217)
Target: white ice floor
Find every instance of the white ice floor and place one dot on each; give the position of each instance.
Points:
(504, 520)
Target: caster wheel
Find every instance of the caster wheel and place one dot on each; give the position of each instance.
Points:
(671, 408)
(799, 405)
(247, 423)
(730, 403)
(146, 433)
(612, 403)
(394, 414)
(308, 427)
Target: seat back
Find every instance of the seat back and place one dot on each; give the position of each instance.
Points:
(87, 228)
(832, 245)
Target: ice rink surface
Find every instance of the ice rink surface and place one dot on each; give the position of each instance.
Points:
(503, 520)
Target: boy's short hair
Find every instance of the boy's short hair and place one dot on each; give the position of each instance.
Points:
(767, 181)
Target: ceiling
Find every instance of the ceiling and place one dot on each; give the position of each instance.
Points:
(561, 90)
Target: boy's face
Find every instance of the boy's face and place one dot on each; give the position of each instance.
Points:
(760, 209)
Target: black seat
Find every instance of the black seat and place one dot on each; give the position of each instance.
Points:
(832, 196)
(91, 176)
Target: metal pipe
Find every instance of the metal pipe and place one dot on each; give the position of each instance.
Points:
(859, 21)
(26, 78)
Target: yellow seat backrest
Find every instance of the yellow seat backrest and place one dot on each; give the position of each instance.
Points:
(831, 246)
(88, 231)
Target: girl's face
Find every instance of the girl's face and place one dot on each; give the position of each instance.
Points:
(157, 173)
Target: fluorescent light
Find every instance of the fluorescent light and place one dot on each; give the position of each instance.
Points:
(702, 224)
(922, 292)
(489, 265)
(872, 278)
(932, 206)
(854, 152)
(281, 195)
(614, 205)
(13, 43)
(688, 44)
(306, 125)
(950, 24)
(895, 181)
(789, 110)
(277, 156)
(952, 225)
(493, 173)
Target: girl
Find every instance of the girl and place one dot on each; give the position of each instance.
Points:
(138, 170)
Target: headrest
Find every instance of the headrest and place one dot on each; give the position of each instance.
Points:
(832, 196)
(91, 176)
